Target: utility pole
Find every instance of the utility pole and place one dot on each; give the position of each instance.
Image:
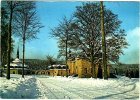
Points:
(104, 60)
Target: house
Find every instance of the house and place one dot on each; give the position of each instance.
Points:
(78, 67)
(54, 70)
(82, 68)
(16, 66)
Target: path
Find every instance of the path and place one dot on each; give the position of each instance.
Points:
(63, 88)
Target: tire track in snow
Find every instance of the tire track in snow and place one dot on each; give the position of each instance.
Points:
(65, 94)
(77, 94)
(75, 91)
(48, 89)
(81, 95)
(86, 94)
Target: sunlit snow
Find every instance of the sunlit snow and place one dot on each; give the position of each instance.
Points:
(46, 87)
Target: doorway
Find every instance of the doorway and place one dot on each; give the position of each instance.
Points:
(99, 74)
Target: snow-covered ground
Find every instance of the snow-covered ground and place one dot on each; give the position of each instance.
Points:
(45, 87)
(18, 88)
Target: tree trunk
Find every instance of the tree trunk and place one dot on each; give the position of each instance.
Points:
(9, 41)
(66, 55)
(3, 58)
(92, 61)
(103, 42)
(23, 61)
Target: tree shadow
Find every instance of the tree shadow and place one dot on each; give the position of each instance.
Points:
(25, 90)
(110, 95)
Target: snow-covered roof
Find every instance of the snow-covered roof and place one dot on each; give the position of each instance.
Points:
(20, 68)
(17, 63)
(57, 66)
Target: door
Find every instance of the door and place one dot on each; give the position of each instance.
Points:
(99, 75)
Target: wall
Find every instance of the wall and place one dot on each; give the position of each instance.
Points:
(13, 71)
(83, 68)
(52, 72)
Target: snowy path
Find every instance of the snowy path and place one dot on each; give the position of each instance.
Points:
(53, 90)
(72, 88)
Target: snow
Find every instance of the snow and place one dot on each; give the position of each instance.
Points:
(18, 87)
(47, 87)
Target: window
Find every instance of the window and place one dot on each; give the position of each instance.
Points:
(91, 70)
(85, 70)
(76, 69)
(13, 72)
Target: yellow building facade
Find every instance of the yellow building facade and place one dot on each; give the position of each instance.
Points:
(82, 68)
(14, 71)
(58, 72)
(52, 72)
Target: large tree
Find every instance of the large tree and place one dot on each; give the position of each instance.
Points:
(10, 7)
(85, 34)
(4, 35)
(27, 24)
(63, 32)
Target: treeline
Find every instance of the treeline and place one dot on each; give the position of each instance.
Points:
(36, 64)
(128, 70)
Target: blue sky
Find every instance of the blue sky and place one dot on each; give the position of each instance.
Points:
(50, 13)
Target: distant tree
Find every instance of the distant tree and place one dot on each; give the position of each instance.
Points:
(27, 24)
(50, 60)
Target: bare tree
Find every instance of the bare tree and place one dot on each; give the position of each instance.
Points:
(50, 60)
(27, 24)
(63, 33)
(85, 34)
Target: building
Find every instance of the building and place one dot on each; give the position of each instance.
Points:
(78, 67)
(16, 66)
(54, 70)
(82, 68)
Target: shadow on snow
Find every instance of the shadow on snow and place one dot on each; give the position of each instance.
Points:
(25, 90)
(110, 95)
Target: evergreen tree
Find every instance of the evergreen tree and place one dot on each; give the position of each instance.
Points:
(8, 11)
